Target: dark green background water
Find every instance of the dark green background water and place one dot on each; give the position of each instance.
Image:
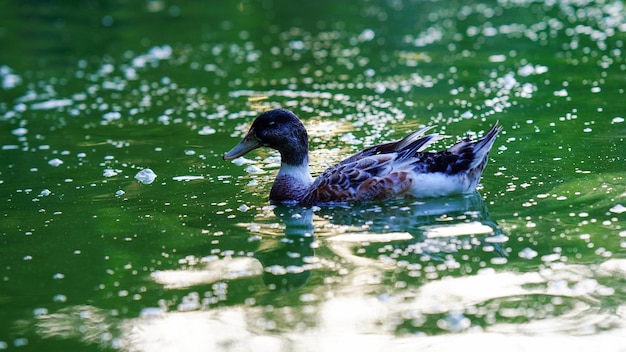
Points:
(92, 92)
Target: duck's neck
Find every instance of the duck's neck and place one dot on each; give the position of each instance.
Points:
(292, 182)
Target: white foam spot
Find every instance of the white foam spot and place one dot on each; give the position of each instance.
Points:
(55, 162)
(51, 104)
(618, 209)
(527, 253)
(206, 130)
(146, 176)
(109, 173)
(21, 131)
(187, 178)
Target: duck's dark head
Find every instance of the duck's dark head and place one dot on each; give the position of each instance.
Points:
(279, 129)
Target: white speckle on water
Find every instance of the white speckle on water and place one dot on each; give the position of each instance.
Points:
(146, 176)
(45, 192)
(187, 178)
(467, 115)
(206, 130)
(39, 312)
(617, 119)
(498, 261)
(21, 131)
(55, 162)
(367, 35)
(242, 160)
(151, 312)
(350, 139)
(253, 169)
(243, 208)
(497, 58)
(551, 257)
(454, 322)
(60, 298)
(20, 342)
(9, 79)
(527, 253)
(119, 193)
(618, 209)
(109, 173)
(52, 104)
(561, 93)
(380, 88)
(308, 297)
(112, 116)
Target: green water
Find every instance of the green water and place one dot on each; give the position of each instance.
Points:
(92, 92)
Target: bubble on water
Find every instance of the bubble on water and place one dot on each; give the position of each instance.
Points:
(119, 193)
(454, 322)
(527, 253)
(111, 116)
(618, 209)
(45, 192)
(9, 79)
(206, 130)
(146, 176)
(253, 169)
(467, 115)
(497, 58)
(187, 178)
(380, 88)
(52, 104)
(55, 162)
(617, 119)
(561, 93)
(367, 35)
(58, 276)
(59, 298)
(151, 312)
(308, 297)
(190, 302)
(40, 311)
(21, 131)
(20, 342)
(109, 173)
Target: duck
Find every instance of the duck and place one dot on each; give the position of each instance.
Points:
(398, 169)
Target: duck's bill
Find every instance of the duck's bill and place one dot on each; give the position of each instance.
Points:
(247, 144)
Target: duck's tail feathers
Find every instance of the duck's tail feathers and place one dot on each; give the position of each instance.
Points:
(483, 145)
(415, 143)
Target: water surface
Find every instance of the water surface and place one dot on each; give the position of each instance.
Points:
(93, 93)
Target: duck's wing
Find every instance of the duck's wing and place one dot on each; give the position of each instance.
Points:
(368, 174)
(411, 144)
(345, 181)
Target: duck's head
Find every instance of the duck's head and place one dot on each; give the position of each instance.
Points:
(278, 129)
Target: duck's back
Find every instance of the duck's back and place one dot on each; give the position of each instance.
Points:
(401, 169)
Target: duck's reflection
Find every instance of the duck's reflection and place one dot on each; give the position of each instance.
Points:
(288, 265)
(432, 228)
(357, 235)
